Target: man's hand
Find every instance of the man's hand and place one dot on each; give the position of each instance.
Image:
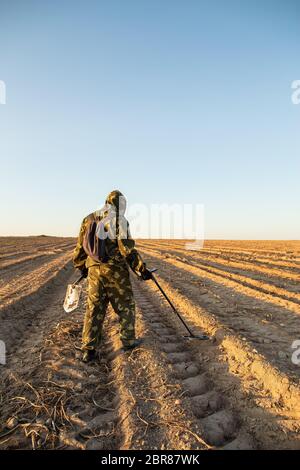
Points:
(146, 274)
(84, 272)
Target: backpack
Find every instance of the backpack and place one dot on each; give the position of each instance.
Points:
(94, 246)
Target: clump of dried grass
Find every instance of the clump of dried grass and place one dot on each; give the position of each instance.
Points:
(39, 408)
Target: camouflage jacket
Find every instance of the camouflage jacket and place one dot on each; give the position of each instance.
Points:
(120, 251)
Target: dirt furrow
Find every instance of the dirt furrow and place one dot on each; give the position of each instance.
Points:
(228, 420)
(12, 275)
(286, 248)
(24, 281)
(30, 245)
(253, 257)
(50, 398)
(14, 261)
(153, 414)
(22, 306)
(279, 278)
(269, 329)
(252, 288)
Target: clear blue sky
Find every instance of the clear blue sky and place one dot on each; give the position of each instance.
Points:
(170, 101)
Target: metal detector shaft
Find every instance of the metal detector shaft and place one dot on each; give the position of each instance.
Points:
(173, 308)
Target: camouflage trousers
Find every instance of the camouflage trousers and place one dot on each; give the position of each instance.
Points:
(108, 283)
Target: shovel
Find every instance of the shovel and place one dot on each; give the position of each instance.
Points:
(190, 333)
(73, 296)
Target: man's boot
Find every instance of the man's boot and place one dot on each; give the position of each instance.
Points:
(135, 344)
(88, 355)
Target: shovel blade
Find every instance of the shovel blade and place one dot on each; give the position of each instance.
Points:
(72, 298)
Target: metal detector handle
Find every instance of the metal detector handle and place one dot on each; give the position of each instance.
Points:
(139, 275)
(153, 270)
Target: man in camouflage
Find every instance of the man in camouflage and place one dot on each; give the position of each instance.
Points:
(109, 281)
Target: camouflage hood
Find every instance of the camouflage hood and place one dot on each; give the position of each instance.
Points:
(117, 201)
(112, 215)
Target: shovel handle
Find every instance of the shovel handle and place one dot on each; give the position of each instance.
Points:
(78, 280)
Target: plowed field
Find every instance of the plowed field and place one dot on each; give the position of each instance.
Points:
(237, 390)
